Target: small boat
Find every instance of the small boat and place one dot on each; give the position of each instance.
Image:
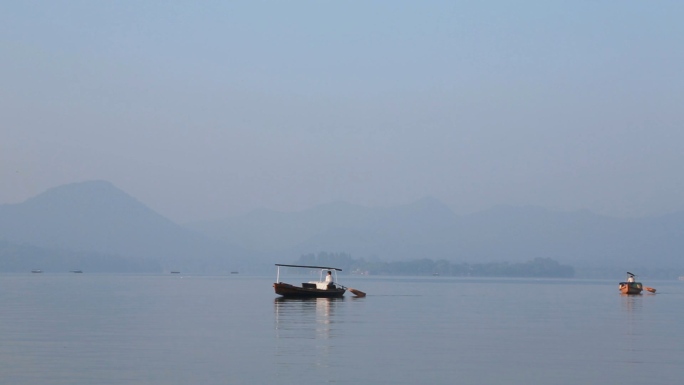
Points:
(175, 272)
(631, 286)
(77, 271)
(323, 288)
(36, 271)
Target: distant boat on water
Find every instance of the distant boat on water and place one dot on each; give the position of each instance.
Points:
(175, 272)
(633, 287)
(77, 271)
(233, 272)
(36, 271)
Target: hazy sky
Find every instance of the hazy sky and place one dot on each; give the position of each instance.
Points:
(205, 109)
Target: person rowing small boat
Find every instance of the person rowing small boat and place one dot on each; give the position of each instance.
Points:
(323, 288)
(631, 286)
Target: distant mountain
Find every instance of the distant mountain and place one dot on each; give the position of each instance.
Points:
(422, 229)
(96, 217)
(580, 238)
(429, 229)
(335, 225)
(97, 225)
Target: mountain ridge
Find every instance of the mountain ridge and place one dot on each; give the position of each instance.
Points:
(96, 218)
(429, 229)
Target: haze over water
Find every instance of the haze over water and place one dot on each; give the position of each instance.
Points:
(214, 109)
(170, 329)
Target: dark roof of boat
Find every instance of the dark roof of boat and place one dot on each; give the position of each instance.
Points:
(310, 267)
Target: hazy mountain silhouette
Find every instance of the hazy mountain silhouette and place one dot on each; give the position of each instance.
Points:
(335, 226)
(96, 217)
(96, 222)
(429, 229)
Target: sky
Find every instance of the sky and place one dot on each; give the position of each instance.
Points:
(205, 110)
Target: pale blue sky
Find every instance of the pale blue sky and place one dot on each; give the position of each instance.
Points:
(207, 109)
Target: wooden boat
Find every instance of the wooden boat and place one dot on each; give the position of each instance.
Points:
(631, 286)
(311, 289)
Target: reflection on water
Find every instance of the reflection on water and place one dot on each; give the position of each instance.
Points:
(633, 307)
(631, 303)
(312, 315)
(305, 322)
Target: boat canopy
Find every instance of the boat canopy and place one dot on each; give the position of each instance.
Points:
(322, 268)
(310, 267)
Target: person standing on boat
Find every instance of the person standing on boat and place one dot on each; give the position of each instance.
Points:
(630, 278)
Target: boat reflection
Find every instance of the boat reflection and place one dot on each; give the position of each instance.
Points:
(631, 303)
(305, 316)
(631, 325)
(305, 329)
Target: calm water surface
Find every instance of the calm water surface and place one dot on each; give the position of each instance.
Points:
(171, 329)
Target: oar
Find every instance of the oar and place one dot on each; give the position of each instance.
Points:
(357, 293)
(652, 290)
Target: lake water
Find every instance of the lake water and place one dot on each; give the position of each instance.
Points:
(172, 329)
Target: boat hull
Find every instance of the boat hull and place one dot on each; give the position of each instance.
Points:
(631, 287)
(291, 291)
